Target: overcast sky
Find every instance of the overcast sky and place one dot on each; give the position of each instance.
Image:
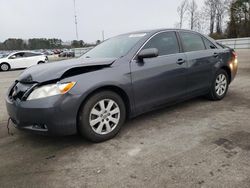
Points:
(55, 18)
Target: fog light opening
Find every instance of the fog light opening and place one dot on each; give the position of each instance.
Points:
(41, 127)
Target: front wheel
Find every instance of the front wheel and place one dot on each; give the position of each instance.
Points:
(4, 67)
(102, 116)
(219, 86)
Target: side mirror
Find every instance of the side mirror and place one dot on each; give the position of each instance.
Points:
(148, 53)
(12, 57)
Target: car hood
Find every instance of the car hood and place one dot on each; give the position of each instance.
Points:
(57, 70)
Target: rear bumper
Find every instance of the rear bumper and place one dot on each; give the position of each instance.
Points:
(55, 115)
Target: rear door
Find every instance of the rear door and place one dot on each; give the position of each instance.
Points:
(31, 58)
(161, 79)
(200, 61)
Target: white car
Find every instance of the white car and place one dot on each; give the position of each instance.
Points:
(21, 59)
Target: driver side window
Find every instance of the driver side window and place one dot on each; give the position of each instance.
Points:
(166, 43)
(17, 56)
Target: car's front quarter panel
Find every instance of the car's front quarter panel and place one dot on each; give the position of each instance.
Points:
(118, 75)
(5, 60)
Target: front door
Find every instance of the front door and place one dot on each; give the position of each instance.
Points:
(161, 79)
(17, 60)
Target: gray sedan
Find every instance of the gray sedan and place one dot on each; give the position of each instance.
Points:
(121, 78)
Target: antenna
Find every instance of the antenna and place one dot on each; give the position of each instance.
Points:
(75, 19)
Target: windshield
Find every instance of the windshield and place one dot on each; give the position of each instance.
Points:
(115, 47)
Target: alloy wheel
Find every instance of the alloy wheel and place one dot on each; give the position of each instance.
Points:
(221, 85)
(4, 67)
(104, 116)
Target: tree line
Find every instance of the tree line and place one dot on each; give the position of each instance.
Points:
(218, 18)
(40, 43)
(239, 25)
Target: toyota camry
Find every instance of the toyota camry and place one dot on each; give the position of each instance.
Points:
(120, 78)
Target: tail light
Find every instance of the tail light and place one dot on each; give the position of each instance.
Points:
(234, 55)
(235, 58)
(234, 63)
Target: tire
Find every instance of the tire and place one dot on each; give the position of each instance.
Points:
(101, 116)
(4, 67)
(40, 62)
(219, 86)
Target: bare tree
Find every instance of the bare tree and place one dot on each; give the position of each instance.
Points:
(193, 11)
(200, 23)
(217, 11)
(221, 12)
(210, 10)
(219, 15)
(177, 25)
(182, 9)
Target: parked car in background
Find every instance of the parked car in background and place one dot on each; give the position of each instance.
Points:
(57, 51)
(67, 53)
(47, 52)
(21, 59)
(122, 77)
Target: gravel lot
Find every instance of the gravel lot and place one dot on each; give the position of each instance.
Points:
(198, 143)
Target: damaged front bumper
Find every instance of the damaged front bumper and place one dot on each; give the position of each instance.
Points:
(56, 115)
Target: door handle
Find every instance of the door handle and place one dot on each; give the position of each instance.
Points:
(216, 54)
(180, 61)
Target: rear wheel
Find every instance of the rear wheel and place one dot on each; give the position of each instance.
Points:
(219, 86)
(4, 67)
(40, 62)
(102, 116)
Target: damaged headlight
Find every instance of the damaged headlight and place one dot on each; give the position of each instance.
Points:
(51, 90)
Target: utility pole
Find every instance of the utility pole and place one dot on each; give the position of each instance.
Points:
(103, 38)
(75, 19)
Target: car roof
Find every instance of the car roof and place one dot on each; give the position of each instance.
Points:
(153, 31)
(26, 51)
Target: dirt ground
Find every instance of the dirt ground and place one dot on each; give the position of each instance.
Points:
(198, 143)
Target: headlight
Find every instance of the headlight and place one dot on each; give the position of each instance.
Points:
(51, 90)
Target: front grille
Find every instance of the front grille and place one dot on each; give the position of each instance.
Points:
(19, 91)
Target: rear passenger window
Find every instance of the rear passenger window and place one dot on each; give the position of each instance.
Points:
(191, 42)
(165, 42)
(29, 54)
(208, 44)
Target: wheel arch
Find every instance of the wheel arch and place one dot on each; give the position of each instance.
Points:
(40, 62)
(227, 69)
(114, 89)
